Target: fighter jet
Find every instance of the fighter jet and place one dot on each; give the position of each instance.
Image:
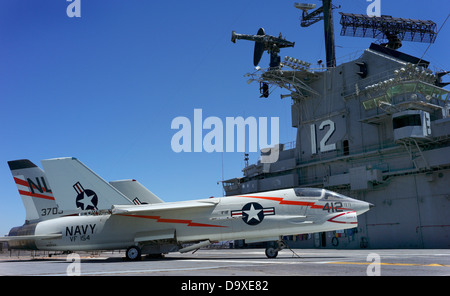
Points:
(108, 219)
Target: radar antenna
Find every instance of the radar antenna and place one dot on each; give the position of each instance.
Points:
(387, 27)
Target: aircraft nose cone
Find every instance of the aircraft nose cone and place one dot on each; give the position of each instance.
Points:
(363, 207)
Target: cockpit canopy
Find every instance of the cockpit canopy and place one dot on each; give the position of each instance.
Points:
(318, 193)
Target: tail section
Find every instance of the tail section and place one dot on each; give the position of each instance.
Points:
(136, 192)
(33, 186)
(75, 185)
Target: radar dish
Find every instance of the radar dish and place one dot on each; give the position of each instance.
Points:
(304, 6)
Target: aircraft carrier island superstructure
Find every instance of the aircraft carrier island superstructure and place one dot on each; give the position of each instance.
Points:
(375, 128)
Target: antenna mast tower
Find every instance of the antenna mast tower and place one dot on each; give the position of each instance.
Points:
(325, 13)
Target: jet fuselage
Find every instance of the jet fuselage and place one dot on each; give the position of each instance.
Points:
(255, 217)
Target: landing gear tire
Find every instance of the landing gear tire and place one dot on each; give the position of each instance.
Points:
(133, 253)
(273, 248)
(271, 252)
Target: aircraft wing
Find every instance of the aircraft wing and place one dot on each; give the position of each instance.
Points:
(141, 209)
(30, 237)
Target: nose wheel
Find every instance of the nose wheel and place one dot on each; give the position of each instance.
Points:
(271, 252)
(273, 248)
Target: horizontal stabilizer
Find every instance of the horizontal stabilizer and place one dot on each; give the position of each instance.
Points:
(75, 186)
(142, 209)
(30, 237)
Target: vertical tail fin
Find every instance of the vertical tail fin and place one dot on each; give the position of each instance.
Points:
(136, 192)
(33, 186)
(75, 185)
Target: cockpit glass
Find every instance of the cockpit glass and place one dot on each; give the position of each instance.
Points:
(308, 192)
(333, 195)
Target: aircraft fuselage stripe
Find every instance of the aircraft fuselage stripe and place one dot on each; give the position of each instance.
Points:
(161, 220)
(281, 200)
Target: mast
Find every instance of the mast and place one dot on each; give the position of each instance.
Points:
(329, 33)
(325, 13)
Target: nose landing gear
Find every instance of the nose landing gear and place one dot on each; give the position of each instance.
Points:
(273, 248)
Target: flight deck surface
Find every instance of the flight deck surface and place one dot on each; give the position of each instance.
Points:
(241, 262)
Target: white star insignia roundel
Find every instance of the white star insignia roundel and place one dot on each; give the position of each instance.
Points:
(253, 213)
(87, 200)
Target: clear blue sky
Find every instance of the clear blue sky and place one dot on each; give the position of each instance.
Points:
(105, 87)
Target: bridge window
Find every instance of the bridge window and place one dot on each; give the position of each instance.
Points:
(407, 120)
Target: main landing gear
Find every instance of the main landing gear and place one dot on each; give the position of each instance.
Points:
(133, 253)
(273, 248)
